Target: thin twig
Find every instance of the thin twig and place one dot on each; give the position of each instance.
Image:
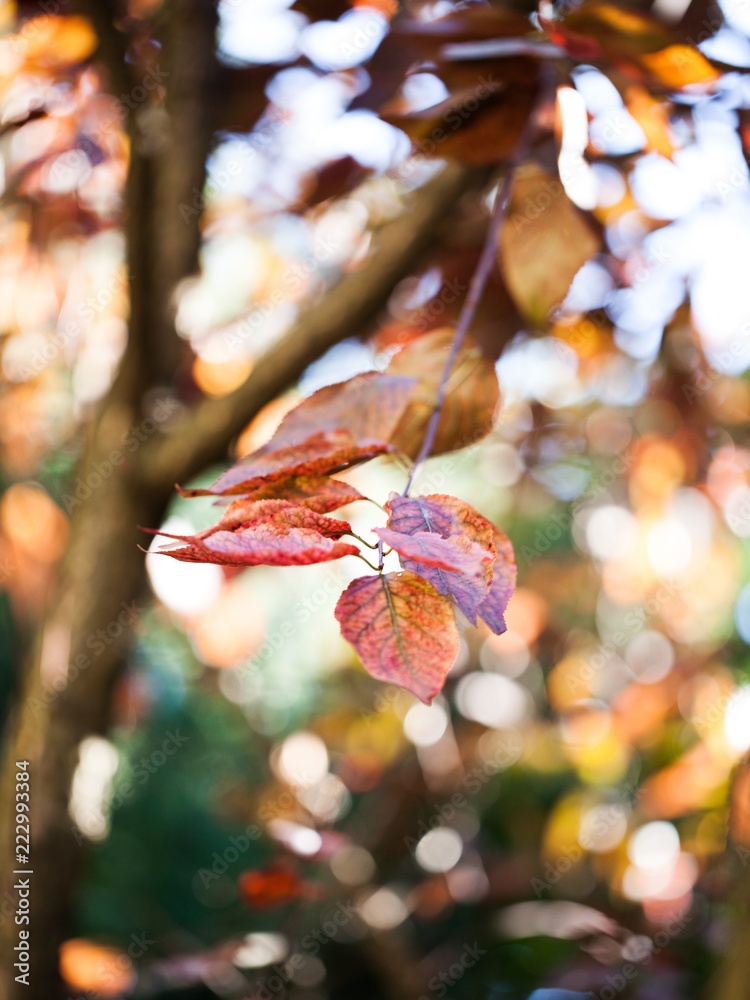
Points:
(369, 545)
(364, 559)
(480, 277)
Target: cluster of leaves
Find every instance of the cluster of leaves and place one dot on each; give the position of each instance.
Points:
(402, 624)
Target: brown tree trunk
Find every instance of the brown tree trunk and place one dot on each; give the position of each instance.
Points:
(65, 689)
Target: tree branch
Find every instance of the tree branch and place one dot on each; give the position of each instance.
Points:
(204, 433)
(481, 274)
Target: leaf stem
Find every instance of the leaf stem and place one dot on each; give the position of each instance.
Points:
(364, 559)
(481, 274)
(360, 539)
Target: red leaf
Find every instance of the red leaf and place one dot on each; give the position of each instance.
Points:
(270, 543)
(454, 566)
(367, 407)
(266, 888)
(403, 630)
(320, 454)
(248, 512)
(318, 493)
(504, 574)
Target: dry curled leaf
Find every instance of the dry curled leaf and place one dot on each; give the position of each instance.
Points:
(248, 511)
(320, 454)
(267, 532)
(319, 493)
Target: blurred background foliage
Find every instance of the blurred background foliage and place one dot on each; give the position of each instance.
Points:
(262, 818)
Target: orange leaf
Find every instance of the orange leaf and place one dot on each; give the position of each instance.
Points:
(471, 393)
(248, 511)
(652, 116)
(679, 66)
(318, 455)
(544, 243)
(367, 406)
(318, 493)
(403, 630)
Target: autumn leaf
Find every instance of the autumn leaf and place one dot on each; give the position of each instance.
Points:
(444, 515)
(471, 393)
(267, 888)
(652, 117)
(319, 454)
(635, 42)
(679, 66)
(504, 575)
(368, 407)
(319, 493)
(481, 124)
(248, 512)
(403, 630)
(455, 566)
(544, 243)
(271, 543)
(452, 519)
